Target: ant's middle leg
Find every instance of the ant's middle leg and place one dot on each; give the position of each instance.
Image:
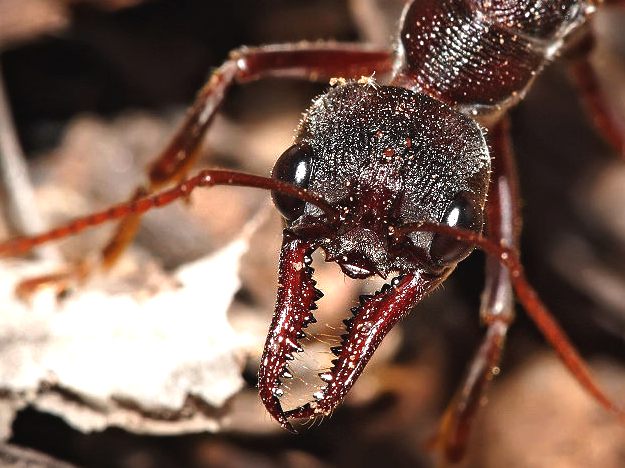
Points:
(313, 62)
(497, 309)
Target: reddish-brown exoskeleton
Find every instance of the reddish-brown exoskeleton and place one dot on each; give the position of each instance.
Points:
(392, 177)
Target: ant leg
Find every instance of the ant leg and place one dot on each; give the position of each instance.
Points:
(497, 309)
(314, 62)
(536, 310)
(317, 62)
(534, 307)
(585, 77)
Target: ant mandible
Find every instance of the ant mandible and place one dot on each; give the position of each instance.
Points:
(393, 175)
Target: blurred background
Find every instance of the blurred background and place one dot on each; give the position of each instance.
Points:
(96, 88)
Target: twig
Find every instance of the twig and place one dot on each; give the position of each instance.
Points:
(19, 205)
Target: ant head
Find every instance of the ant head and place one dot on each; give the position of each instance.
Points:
(384, 157)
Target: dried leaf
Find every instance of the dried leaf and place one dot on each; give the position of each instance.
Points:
(152, 364)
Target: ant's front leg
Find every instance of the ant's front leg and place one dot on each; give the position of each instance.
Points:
(318, 62)
(585, 78)
(497, 310)
(313, 62)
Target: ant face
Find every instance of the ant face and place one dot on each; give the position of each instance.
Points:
(384, 157)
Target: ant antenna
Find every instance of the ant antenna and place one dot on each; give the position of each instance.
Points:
(533, 305)
(139, 205)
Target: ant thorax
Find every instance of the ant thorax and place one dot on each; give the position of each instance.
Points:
(483, 56)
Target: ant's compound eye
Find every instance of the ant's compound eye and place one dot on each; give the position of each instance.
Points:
(464, 213)
(294, 167)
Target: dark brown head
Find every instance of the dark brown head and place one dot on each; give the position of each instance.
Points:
(384, 157)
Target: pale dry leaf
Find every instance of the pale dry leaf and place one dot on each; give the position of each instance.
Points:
(22, 20)
(125, 360)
